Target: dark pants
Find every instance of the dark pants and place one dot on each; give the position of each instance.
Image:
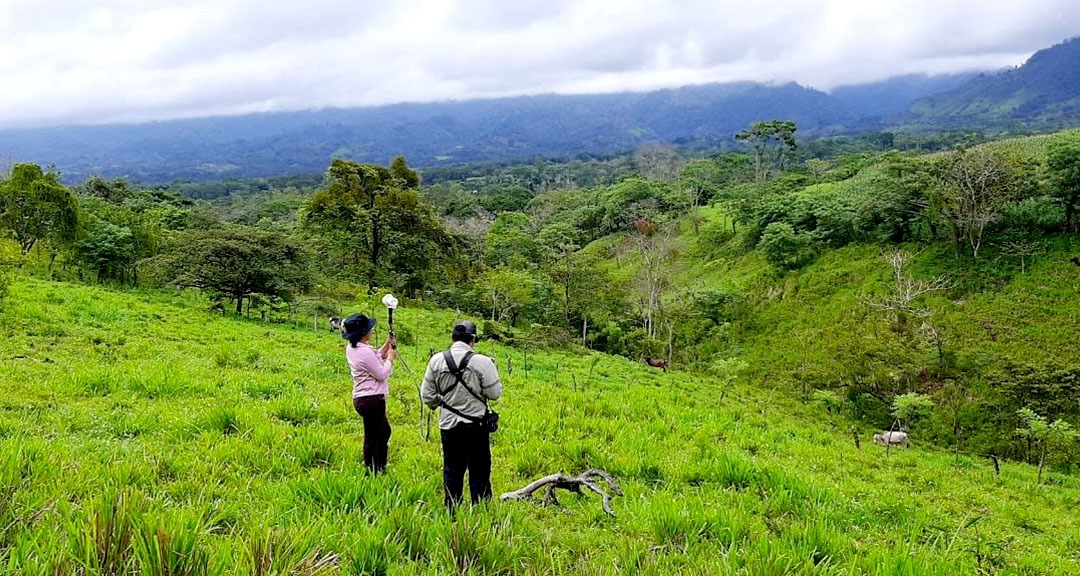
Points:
(466, 447)
(376, 430)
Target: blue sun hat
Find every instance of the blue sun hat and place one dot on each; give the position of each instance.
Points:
(356, 325)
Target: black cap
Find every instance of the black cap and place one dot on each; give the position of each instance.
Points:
(356, 325)
(465, 328)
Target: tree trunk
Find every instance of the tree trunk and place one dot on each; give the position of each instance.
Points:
(670, 344)
(566, 295)
(376, 249)
(240, 305)
(1042, 461)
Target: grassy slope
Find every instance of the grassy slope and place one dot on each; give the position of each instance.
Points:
(1031, 314)
(237, 438)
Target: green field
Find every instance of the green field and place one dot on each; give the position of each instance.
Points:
(140, 433)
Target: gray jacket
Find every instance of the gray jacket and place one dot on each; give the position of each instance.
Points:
(480, 376)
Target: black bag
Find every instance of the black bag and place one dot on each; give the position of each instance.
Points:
(489, 422)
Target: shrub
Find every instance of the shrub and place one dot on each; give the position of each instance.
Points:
(1040, 213)
(783, 247)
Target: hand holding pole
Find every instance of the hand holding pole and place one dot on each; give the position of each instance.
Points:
(391, 304)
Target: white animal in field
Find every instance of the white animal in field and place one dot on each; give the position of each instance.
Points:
(894, 437)
(337, 324)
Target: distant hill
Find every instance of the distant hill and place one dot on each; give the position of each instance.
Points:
(428, 134)
(1042, 94)
(894, 95)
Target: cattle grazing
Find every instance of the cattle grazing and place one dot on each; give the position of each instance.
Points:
(1076, 260)
(657, 363)
(894, 438)
(337, 324)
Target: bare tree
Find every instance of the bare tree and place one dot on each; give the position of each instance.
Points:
(656, 161)
(474, 230)
(818, 168)
(1025, 248)
(652, 243)
(899, 303)
(974, 186)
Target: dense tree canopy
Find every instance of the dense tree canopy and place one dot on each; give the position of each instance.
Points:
(35, 206)
(236, 262)
(370, 222)
(1063, 160)
(772, 143)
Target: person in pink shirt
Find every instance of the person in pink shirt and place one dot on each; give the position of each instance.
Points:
(371, 369)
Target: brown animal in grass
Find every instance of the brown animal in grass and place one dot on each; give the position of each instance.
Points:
(657, 363)
(1076, 260)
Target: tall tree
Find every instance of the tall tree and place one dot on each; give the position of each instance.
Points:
(773, 145)
(367, 215)
(236, 262)
(512, 242)
(108, 250)
(1063, 160)
(653, 245)
(973, 187)
(35, 206)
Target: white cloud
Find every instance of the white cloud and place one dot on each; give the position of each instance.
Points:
(129, 60)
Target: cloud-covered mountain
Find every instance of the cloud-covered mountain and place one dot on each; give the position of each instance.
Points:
(894, 95)
(1043, 93)
(427, 134)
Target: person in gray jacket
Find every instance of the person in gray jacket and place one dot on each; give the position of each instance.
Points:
(466, 442)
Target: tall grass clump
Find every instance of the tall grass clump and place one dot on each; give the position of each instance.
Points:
(410, 529)
(473, 545)
(172, 545)
(104, 542)
(313, 449)
(222, 420)
(295, 409)
(13, 473)
(734, 471)
(345, 491)
(370, 555)
(275, 551)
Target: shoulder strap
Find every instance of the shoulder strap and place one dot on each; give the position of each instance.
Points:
(472, 419)
(455, 369)
(458, 371)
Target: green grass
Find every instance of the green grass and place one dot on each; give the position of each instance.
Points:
(141, 434)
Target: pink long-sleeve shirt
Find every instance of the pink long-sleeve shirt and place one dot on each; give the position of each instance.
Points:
(370, 371)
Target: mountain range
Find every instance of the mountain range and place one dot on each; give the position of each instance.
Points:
(1044, 93)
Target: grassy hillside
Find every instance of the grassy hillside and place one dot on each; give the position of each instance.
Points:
(1002, 318)
(136, 429)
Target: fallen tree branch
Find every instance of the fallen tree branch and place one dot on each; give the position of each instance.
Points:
(571, 483)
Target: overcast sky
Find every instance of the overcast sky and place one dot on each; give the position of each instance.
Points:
(74, 61)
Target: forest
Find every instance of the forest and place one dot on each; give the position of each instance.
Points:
(865, 282)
